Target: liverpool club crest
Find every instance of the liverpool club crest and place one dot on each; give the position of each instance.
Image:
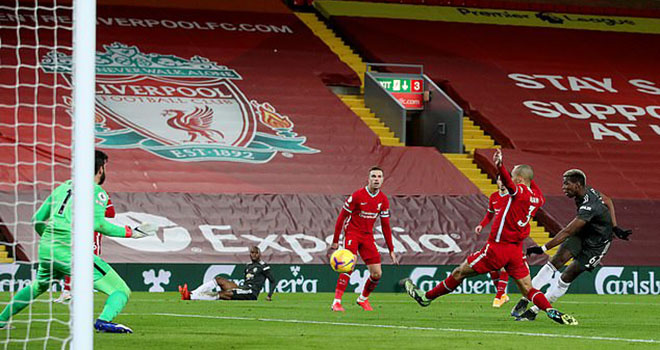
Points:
(181, 109)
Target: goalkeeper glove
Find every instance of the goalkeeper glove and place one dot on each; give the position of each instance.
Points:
(535, 250)
(621, 233)
(143, 230)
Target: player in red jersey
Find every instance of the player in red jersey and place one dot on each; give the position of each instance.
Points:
(504, 246)
(66, 291)
(357, 218)
(496, 203)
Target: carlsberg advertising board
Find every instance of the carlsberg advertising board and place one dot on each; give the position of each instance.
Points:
(307, 278)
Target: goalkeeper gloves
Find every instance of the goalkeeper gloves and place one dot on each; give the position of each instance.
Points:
(621, 233)
(535, 250)
(143, 230)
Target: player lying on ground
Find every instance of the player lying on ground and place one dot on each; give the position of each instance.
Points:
(53, 223)
(496, 202)
(586, 239)
(357, 218)
(504, 247)
(256, 274)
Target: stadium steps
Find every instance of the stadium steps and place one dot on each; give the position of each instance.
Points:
(336, 44)
(4, 255)
(465, 163)
(354, 61)
(356, 104)
(474, 137)
(540, 236)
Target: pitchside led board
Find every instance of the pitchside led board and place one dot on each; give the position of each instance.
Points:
(405, 90)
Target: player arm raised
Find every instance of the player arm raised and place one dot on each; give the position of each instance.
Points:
(504, 174)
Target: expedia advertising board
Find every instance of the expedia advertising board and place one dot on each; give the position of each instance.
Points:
(320, 278)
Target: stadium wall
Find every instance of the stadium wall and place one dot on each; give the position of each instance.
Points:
(596, 7)
(493, 63)
(289, 228)
(314, 278)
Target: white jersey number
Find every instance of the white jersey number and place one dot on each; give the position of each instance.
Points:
(529, 217)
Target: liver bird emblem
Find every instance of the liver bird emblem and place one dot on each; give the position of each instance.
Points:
(196, 123)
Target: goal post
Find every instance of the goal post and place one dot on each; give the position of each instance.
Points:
(84, 71)
(47, 97)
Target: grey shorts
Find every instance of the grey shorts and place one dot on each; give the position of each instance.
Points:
(587, 256)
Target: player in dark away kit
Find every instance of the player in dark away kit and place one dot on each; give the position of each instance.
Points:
(586, 239)
(256, 274)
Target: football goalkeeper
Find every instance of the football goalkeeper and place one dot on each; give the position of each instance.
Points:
(53, 223)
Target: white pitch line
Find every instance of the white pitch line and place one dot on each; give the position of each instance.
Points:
(456, 330)
(453, 301)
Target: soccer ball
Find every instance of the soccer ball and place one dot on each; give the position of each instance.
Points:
(342, 261)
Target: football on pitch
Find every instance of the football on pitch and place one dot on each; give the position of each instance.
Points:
(342, 260)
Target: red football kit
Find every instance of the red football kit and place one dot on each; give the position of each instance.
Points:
(357, 218)
(510, 228)
(496, 203)
(504, 247)
(109, 213)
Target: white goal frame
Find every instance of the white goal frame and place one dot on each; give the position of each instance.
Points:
(84, 73)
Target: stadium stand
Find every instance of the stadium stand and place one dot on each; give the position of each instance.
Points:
(234, 125)
(314, 151)
(601, 7)
(477, 62)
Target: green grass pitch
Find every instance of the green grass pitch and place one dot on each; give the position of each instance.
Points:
(304, 321)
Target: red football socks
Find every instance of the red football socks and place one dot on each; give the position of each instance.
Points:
(342, 283)
(369, 287)
(495, 276)
(539, 299)
(502, 284)
(444, 287)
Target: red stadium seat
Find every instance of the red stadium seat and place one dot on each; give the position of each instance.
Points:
(475, 63)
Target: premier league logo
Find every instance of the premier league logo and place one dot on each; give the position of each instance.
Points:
(180, 109)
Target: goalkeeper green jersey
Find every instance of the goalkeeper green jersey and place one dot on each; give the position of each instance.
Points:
(53, 222)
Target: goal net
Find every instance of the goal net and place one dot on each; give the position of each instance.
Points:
(36, 152)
